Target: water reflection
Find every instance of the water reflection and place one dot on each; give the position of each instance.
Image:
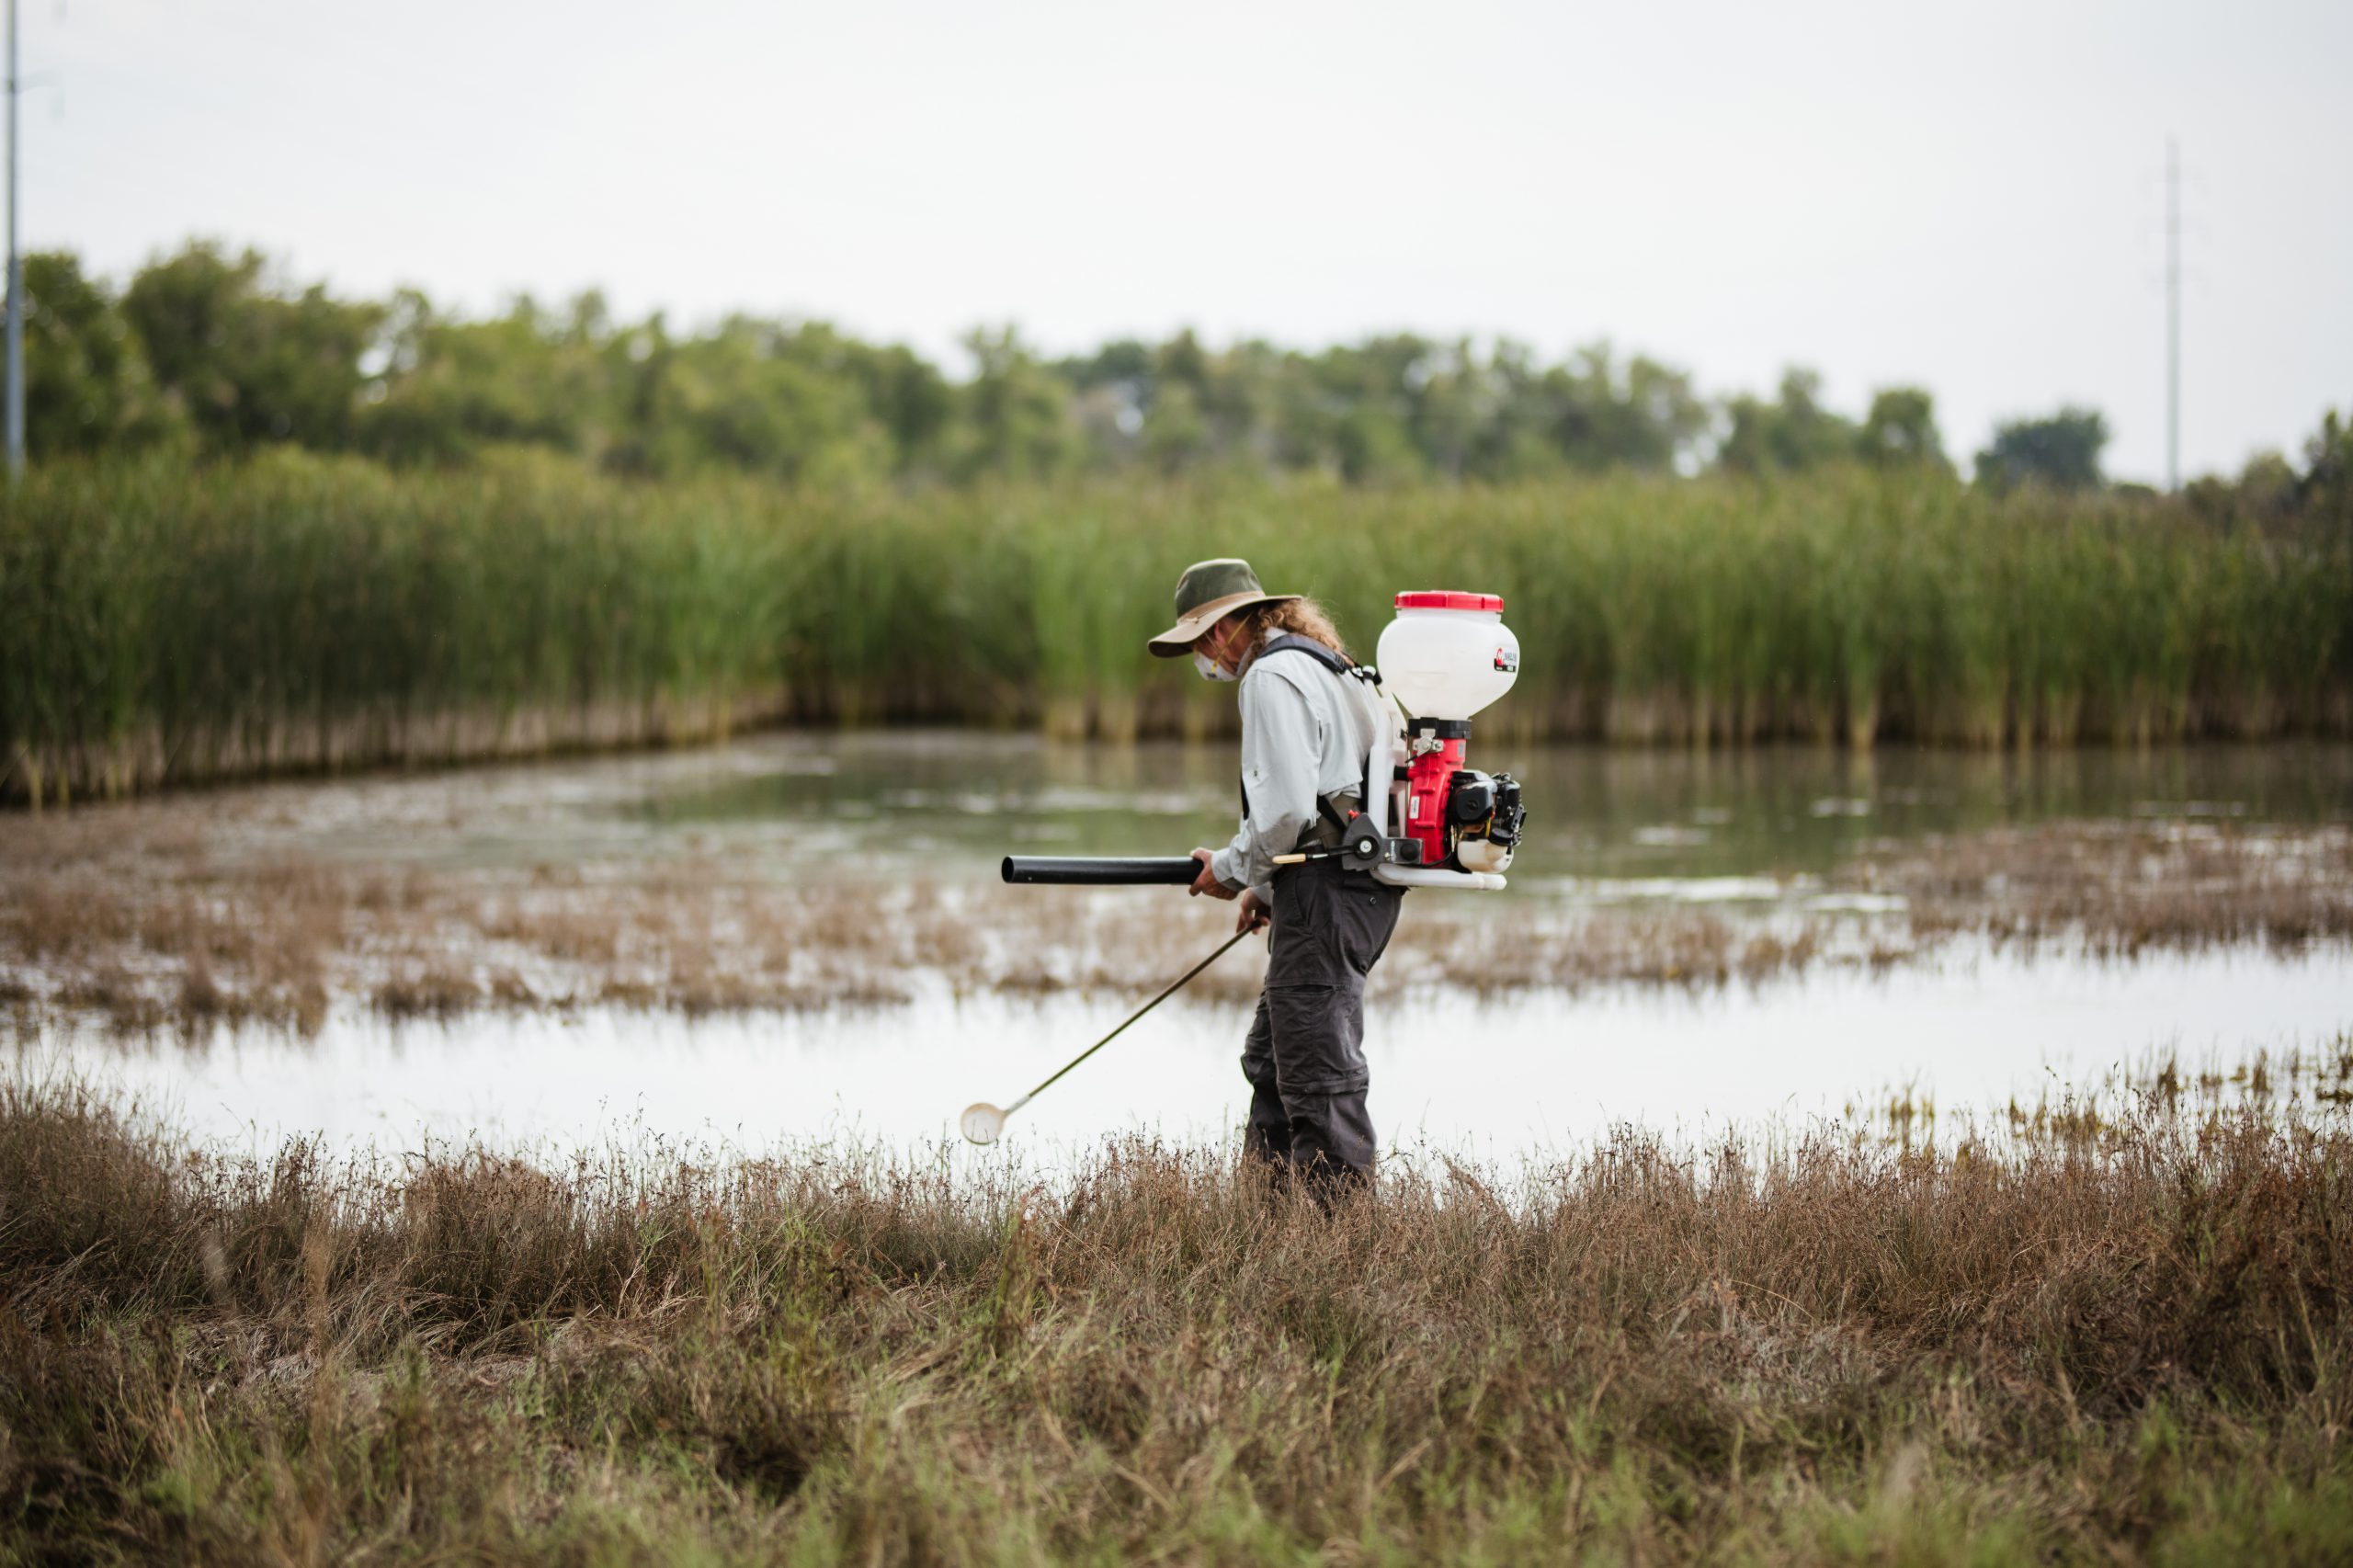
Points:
(1494, 1077)
(950, 802)
(1594, 811)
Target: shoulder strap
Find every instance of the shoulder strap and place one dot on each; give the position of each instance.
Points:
(1339, 664)
(1291, 642)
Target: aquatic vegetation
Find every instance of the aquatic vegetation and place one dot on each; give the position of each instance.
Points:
(2120, 1335)
(188, 911)
(166, 624)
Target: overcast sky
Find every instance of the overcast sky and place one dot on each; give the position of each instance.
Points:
(1964, 197)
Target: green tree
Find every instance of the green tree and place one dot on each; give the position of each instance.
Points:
(1365, 393)
(2327, 488)
(2061, 451)
(1111, 388)
(1177, 432)
(1373, 446)
(1019, 423)
(1452, 398)
(1900, 431)
(1302, 418)
(1516, 441)
(751, 396)
(1176, 435)
(1790, 435)
(450, 387)
(1644, 416)
(207, 342)
(86, 385)
(244, 363)
(1124, 361)
(1239, 396)
(906, 395)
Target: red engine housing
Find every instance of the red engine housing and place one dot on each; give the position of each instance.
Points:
(1427, 779)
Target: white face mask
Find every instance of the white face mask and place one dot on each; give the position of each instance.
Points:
(1211, 669)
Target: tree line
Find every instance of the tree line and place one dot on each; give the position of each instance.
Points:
(216, 353)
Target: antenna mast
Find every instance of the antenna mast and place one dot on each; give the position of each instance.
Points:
(2173, 315)
(16, 413)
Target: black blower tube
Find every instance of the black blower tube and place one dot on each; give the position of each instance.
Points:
(1111, 872)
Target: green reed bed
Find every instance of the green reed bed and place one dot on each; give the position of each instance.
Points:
(163, 624)
(2117, 1331)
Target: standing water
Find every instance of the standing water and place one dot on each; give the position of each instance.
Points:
(1624, 843)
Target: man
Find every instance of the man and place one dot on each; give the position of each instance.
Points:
(1307, 730)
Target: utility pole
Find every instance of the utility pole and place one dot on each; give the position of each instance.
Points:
(2173, 308)
(15, 278)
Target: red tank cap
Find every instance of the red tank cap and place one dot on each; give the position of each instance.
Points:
(1447, 598)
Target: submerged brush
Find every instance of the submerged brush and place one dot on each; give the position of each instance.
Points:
(984, 1124)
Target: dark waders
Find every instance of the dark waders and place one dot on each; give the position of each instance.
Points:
(1304, 1057)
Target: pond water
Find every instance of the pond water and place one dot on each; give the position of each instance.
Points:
(963, 800)
(1492, 1077)
(1495, 1076)
(952, 802)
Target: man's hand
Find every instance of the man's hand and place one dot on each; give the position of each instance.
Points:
(1251, 914)
(1205, 880)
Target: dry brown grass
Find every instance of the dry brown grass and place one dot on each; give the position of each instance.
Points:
(2117, 1336)
(427, 989)
(2122, 890)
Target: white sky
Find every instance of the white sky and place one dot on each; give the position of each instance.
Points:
(1965, 197)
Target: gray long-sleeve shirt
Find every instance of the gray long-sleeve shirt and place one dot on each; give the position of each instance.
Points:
(1305, 732)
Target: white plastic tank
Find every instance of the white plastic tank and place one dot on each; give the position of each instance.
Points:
(1447, 654)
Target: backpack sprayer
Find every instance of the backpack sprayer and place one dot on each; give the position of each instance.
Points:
(1436, 824)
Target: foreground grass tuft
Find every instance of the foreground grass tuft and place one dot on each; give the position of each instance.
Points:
(2123, 1335)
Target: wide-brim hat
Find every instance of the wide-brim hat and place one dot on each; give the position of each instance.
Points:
(1207, 594)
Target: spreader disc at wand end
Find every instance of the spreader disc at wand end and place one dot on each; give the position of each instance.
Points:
(982, 1123)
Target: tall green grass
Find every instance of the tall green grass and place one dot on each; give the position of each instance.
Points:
(163, 623)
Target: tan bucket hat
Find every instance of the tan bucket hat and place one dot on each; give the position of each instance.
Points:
(1206, 593)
